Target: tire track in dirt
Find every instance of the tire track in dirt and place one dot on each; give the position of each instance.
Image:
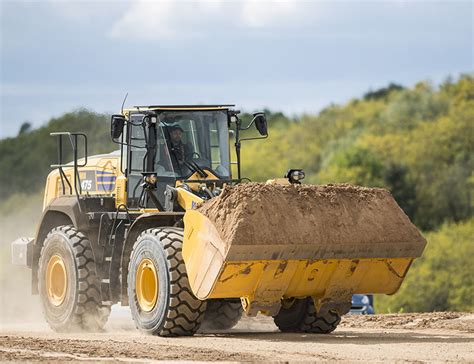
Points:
(14, 348)
(427, 337)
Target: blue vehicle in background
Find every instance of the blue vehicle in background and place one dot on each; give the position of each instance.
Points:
(362, 304)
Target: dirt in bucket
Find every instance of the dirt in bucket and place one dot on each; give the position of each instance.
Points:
(334, 215)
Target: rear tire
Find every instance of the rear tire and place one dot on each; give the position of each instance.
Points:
(68, 283)
(222, 314)
(160, 298)
(301, 316)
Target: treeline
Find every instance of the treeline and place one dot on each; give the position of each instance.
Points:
(25, 159)
(442, 279)
(417, 142)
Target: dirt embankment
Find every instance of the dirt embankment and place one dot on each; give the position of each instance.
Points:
(429, 320)
(340, 220)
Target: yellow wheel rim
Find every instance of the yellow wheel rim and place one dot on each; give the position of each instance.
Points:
(56, 280)
(147, 285)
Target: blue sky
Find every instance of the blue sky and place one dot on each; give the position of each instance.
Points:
(294, 56)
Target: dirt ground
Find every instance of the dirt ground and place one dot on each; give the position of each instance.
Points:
(429, 337)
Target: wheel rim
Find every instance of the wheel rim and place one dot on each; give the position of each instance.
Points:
(56, 280)
(147, 285)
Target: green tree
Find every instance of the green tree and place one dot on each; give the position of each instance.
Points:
(24, 128)
(442, 278)
(26, 159)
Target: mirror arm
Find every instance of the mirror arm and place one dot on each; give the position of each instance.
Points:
(237, 144)
(254, 138)
(238, 140)
(250, 124)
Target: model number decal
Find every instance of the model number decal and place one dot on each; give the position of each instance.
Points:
(86, 184)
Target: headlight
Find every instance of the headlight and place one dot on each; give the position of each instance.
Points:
(295, 175)
(365, 300)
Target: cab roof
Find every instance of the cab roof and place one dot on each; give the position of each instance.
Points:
(126, 112)
(180, 107)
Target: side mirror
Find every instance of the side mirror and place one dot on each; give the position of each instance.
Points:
(260, 123)
(116, 126)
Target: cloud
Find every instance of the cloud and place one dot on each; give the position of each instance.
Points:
(175, 20)
(84, 11)
(263, 14)
(164, 20)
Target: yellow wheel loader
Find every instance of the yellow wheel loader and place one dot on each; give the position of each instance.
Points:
(163, 226)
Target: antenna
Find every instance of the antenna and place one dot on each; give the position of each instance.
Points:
(123, 103)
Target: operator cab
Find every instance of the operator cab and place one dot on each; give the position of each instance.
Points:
(192, 138)
(170, 144)
(188, 143)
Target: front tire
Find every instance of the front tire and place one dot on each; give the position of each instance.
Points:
(301, 316)
(160, 298)
(68, 283)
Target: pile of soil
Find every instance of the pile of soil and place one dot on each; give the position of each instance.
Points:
(339, 216)
(461, 321)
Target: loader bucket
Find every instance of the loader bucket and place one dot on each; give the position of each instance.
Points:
(265, 243)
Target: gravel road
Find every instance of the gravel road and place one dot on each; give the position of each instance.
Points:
(433, 337)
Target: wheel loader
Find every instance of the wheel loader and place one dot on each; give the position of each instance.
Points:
(163, 226)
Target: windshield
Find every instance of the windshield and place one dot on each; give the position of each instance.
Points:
(189, 140)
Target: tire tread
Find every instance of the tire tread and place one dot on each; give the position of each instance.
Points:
(309, 320)
(89, 313)
(185, 311)
(222, 314)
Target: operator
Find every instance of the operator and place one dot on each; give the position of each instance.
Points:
(178, 151)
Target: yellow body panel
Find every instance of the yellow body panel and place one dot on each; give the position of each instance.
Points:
(275, 279)
(101, 176)
(187, 200)
(121, 191)
(196, 185)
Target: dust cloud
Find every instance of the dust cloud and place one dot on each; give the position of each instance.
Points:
(19, 216)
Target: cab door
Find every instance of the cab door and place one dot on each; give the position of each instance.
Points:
(136, 151)
(136, 164)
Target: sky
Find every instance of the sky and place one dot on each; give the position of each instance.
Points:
(292, 56)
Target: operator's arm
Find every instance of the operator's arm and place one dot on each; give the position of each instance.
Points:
(188, 151)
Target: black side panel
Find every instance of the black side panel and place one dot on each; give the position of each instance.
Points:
(69, 206)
